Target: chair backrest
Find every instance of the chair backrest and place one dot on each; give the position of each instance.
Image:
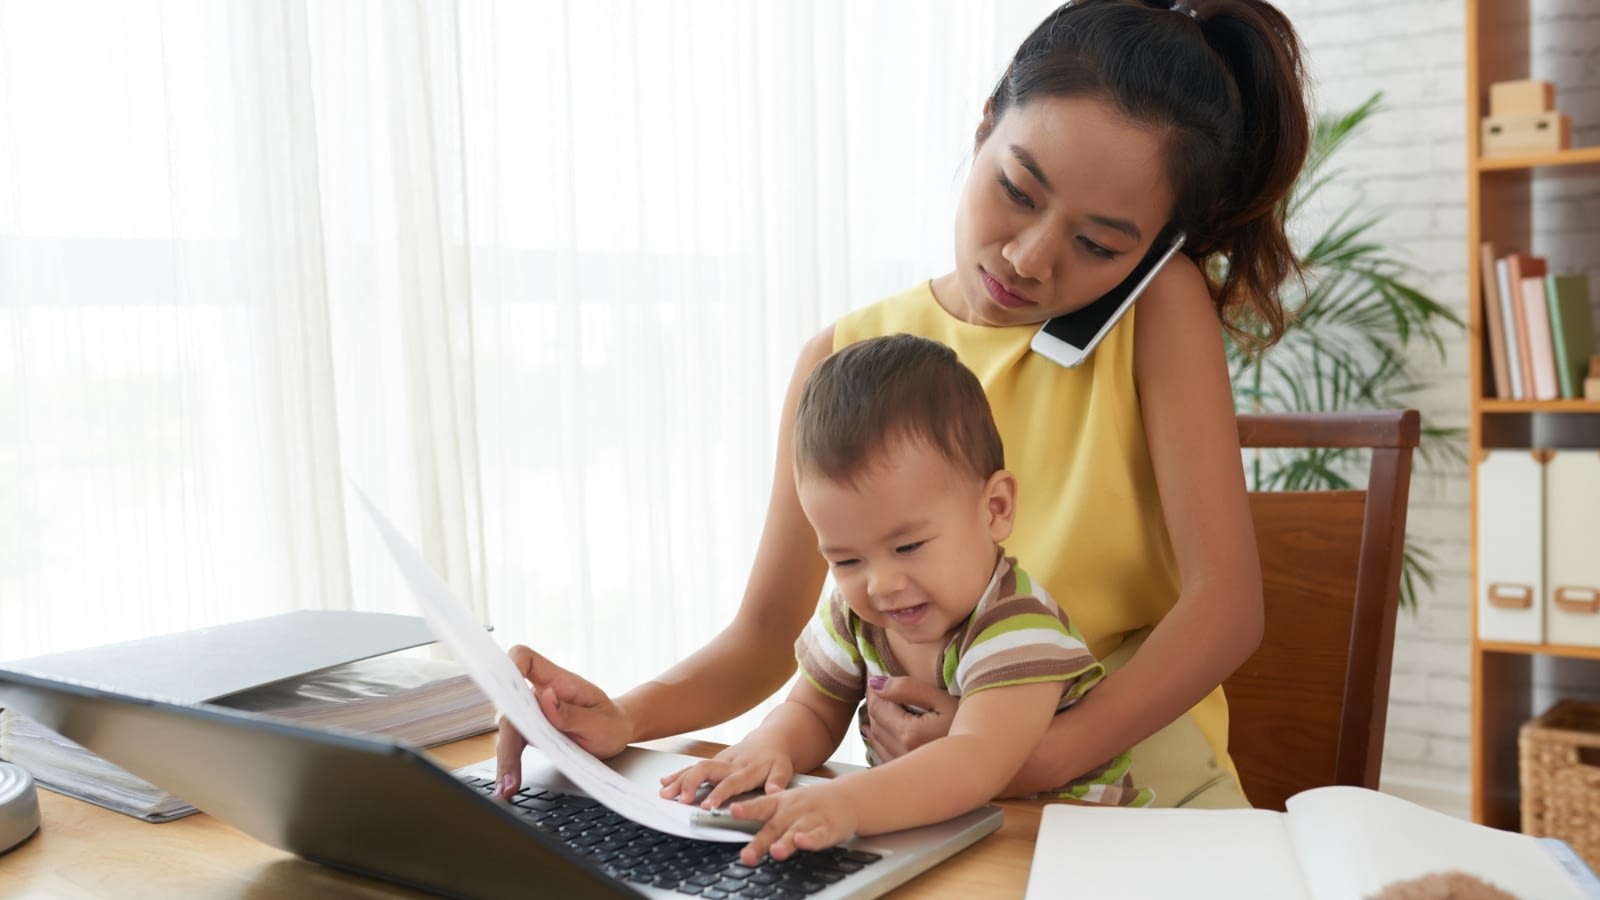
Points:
(1308, 707)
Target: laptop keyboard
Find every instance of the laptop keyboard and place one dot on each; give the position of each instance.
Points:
(708, 869)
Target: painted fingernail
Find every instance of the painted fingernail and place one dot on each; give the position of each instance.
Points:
(877, 682)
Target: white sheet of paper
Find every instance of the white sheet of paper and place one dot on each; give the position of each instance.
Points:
(509, 691)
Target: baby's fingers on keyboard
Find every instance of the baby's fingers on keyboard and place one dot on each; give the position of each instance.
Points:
(685, 785)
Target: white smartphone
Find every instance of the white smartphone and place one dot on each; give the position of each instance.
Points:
(1069, 339)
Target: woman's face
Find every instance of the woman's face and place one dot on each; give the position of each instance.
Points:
(1065, 197)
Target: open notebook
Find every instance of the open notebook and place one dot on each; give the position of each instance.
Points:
(1334, 843)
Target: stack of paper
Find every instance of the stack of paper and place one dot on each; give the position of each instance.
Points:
(420, 701)
(66, 768)
(324, 668)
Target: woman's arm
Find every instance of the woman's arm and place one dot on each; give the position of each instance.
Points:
(1187, 404)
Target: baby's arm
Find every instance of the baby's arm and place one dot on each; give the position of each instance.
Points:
(797, 736)
(991, 735)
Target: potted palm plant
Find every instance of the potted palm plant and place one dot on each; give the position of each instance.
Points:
(1350, 343)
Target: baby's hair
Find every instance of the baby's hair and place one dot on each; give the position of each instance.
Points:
(897, 387)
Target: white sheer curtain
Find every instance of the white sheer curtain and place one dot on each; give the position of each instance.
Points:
(532, 275)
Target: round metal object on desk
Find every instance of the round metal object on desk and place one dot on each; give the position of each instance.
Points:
(19, 806)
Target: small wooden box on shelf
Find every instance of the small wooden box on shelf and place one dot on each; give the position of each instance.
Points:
(1502, 210)
(1523, 119)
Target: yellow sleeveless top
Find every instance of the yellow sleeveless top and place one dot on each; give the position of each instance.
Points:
(1089, 524)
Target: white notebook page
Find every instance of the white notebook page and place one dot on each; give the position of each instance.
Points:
(1106, 853)
(1352, 842)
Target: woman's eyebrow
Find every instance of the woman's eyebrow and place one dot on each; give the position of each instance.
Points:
(1032, 165)
(1122, 225)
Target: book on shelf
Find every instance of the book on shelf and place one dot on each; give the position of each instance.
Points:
(329, 669)
(1508, 319)
(1518, 267)
(1333, 842)
(1572, 330)
(1541, 349)
(1499, 381)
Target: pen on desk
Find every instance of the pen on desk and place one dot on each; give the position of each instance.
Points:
(721, 818)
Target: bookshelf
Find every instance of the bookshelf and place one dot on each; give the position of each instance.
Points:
(1502, 207)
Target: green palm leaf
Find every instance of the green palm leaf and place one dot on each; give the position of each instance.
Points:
(1350, 345)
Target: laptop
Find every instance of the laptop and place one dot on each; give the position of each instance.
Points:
(382, 809)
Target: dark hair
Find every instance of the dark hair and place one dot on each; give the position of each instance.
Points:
(1222, 80)
(895, 387)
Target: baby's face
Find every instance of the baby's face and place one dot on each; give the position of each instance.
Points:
(912, 543)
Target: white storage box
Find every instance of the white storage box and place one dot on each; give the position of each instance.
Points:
(1510, 547)
(1572, 548)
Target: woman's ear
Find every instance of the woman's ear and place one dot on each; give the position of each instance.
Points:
(985, 124)
(1000, 504)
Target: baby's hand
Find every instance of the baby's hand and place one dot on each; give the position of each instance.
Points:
(805, 818)
(745, 766)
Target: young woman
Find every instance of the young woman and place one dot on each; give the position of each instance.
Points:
(1116, 121)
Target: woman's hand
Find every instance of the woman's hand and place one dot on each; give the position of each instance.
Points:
(805, 818)
(895, 730)
(747, 765)
(575, 707)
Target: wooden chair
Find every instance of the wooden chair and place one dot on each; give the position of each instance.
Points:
(1308, 707)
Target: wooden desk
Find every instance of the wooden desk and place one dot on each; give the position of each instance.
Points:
(83, 852)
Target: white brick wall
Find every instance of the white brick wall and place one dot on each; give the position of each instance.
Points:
(1410, 165)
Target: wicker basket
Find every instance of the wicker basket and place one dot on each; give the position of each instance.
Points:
(1560, 766)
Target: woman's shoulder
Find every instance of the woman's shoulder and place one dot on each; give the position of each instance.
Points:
(1178, 296)
(911, 310)
(1168, 344)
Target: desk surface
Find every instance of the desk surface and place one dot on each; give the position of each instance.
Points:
(83, 852)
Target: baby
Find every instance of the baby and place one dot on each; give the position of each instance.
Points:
(901, 473)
